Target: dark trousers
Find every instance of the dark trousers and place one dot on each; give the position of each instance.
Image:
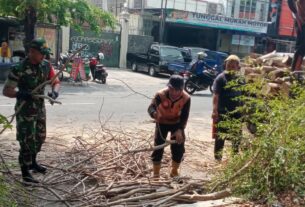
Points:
(161, 133)
(300, 49)
(92, 68)
(31, 134)
(219, 142)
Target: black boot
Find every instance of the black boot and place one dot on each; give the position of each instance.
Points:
(37, 168)
(26, 176)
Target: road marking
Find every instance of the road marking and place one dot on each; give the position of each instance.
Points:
(47, 104)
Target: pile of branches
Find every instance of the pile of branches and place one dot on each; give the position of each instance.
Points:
(114, 168)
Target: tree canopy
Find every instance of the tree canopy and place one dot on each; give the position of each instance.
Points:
(75, 13)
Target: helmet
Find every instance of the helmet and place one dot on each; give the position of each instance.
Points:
(40, 45)
(201, 55)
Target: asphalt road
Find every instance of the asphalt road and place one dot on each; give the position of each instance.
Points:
(121, 102)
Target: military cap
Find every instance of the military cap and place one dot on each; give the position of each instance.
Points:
(40, 45)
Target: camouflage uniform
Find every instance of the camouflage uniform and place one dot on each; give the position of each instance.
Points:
(31, 119)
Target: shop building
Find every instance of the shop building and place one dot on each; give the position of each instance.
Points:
(232, 26)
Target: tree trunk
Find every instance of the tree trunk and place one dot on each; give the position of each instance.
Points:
(29, 27)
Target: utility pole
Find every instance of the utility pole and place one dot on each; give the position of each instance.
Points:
(162, 21)
(116, 7)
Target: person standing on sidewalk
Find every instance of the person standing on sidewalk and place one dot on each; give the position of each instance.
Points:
(170, 109)
(298, 9)
(31, 118)
(224, 103)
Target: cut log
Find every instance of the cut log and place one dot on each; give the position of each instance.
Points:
(267, 56)
(268, 62)
(206, 197)
(282, 62)
(255, 55)
(271, 89)
(287, 60)
(242, 65)
(285, 88)
(268, 69)
(282, 80)
(279, 73)
(253, 77)
(248, 70)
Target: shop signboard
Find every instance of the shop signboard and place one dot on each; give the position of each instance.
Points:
(216, 21)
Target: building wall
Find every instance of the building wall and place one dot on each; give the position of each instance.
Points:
(65, 38)
(115, 6)
(224, 42)
(286, 25)
(248, 9)
(208, 6)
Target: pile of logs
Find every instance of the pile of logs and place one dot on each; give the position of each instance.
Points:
(274, 68)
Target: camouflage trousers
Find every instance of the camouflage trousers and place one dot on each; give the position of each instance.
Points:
(31, 134)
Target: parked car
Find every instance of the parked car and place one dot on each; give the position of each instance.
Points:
(213, 57)
(157, 59)
(216, 58)
(192, 51)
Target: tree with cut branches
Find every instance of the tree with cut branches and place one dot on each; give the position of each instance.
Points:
(75, 13)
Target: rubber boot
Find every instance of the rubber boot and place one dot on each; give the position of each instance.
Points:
(26, 176)
(36, 167)
(156, 171)
(174, 170)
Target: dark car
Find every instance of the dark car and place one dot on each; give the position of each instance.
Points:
(216, 58)
(213, 57)
(192, 51)
(157, 59)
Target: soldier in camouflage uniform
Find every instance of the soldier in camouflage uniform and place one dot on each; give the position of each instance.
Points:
(31, 119)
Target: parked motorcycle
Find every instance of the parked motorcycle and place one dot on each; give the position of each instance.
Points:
(101, 73)
(63, 58)
(200, 83)
(98, 71)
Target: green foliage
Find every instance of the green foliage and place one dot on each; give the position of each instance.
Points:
(275, 154)
(62, 12)
(6, 196)
(4, 122)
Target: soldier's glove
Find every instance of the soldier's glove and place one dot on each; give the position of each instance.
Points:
(24, 95)
(53, 95)
(178, 136)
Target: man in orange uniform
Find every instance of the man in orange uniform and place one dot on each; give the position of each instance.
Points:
(170, 109)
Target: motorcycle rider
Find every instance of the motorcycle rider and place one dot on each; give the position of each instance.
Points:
(100, 57)
(92, 65)
(94, 62)
(200, 65)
